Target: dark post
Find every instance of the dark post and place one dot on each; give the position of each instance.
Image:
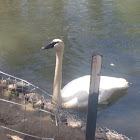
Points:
(93, 97)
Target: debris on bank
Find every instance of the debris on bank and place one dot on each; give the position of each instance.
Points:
(27, 113)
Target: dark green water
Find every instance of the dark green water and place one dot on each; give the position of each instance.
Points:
(110, 28)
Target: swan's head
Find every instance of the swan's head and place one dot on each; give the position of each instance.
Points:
(56, 44)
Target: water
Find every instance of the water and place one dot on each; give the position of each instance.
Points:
(110, 28)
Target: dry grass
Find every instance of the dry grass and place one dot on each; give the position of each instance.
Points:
(12, 116)
(38, 124)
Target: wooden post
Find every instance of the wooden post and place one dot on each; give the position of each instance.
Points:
(93, 97)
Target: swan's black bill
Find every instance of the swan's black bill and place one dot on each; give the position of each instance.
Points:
(51, 45)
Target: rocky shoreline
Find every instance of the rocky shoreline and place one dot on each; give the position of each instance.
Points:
(29, 121)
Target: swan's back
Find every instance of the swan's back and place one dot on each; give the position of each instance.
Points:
(79, 89)
(111, 88)
(76, 86)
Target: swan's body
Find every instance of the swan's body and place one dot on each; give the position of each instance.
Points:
(75, 93)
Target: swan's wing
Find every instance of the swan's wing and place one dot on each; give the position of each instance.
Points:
(113, 83)
(77, 91)
(111, 88)
(76, 88)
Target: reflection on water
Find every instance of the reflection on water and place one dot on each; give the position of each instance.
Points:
(110, 28)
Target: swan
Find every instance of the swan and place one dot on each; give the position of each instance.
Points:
(75, 93)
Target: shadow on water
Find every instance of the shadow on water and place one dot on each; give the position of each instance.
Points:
(114, 99)
(102, 107)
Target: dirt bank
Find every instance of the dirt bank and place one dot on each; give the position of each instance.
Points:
(28, 120)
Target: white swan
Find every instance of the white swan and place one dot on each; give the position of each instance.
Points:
(75, 93)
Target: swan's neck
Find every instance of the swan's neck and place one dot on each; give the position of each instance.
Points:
(58, 79)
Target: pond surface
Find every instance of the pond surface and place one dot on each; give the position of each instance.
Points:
(110, 28)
